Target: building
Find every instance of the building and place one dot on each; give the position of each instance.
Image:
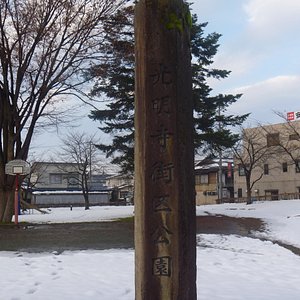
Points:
(207, 183)
(275, 149)
(122, 187)
(53, 176)
(59, 184)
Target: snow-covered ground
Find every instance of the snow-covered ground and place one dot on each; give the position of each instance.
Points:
(282, 217)
(229, 267)
(77, 214)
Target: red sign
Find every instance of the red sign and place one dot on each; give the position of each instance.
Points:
(293, 115)
(229, 170)
(290, 116)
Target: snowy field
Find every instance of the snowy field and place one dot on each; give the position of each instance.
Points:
(282, 217)
(229, 267)
(78, 214)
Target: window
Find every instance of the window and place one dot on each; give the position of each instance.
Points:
(240, 193)
(55, 178)
(272, 139)
(209, 193)
(271, 194)
(284, 167)
(197, 179)
(73, 180)
(201, 179)
(204, 178)
(124, 194)
(266, 169)
(241, 170)
(294, 137)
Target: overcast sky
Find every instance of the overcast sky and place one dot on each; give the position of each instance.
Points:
(259, 45)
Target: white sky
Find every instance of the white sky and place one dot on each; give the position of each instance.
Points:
(259, 44)
(228, 266)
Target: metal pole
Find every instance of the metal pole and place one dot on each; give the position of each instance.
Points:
(90, 158)
(16, 200)
(220, 183)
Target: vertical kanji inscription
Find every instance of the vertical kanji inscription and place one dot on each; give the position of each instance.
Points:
(162, 266)
(165, 223)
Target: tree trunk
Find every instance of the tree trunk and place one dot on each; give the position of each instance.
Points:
(85, 190)
(11, 148)
(6, 205)
(248, 185)
(6, 196)
(86, 200)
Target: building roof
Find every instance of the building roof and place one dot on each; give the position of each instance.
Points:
(212, 163)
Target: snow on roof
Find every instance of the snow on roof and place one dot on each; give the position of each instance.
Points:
(65, 192)
(212, 164)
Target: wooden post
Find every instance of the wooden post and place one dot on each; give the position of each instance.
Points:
(165, 230)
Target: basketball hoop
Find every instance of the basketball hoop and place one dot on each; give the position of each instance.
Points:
(17, 167)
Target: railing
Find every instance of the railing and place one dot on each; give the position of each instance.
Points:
(269, 197)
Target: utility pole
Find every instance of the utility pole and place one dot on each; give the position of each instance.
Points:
(90, 163)
(220, 182)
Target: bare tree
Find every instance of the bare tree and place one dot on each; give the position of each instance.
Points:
(289, 141)
(80, 149)
(45, 47)
(251, 152)
(33, 178)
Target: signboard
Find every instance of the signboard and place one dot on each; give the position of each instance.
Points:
(229, 170)
(293, 116)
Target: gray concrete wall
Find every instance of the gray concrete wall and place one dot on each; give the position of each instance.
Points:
(44, 199)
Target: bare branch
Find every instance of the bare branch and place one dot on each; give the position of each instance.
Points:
(45, 48)
(79, 148)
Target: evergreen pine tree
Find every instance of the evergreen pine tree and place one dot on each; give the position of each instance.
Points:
(116, 82)
(212, 124)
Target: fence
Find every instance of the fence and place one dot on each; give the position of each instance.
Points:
(46, 199)
(267, 197)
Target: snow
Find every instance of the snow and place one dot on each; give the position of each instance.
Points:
(79, 275)
(78, 214)
(228, 266)
(282, 217)
(243, 269)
